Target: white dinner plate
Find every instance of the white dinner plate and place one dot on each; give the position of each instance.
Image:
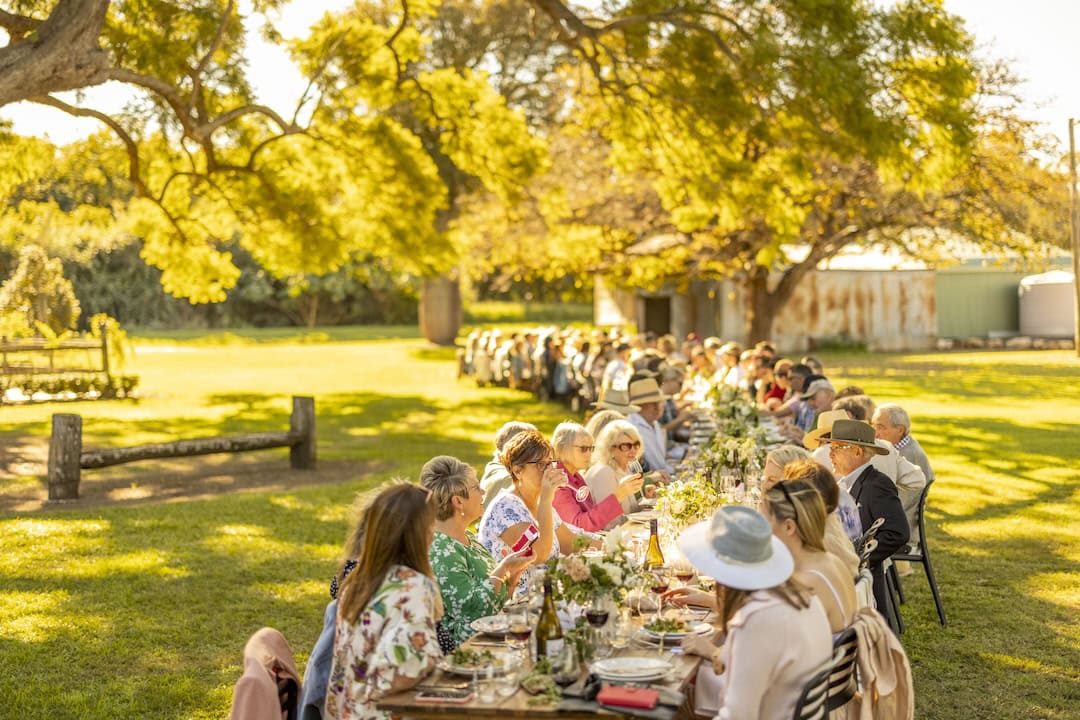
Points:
(498, 666)
(491, 625)
(631, 668)
(643, 516)
(695, 628)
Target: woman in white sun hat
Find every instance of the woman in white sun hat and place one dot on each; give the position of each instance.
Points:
(775, 634)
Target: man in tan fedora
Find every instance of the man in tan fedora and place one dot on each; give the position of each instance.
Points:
(851, 447)
(646, 394)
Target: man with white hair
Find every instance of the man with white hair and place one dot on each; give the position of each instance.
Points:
(496, 476)
(891, 422)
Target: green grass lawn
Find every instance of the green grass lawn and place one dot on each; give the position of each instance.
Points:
(142, 611)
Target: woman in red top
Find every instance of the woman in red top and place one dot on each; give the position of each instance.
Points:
(575, 505)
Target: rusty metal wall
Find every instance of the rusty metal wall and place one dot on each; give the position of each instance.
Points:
(887, 310)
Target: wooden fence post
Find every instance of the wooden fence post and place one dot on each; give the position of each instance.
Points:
(302, 420)
(65, 453)
(104, 329)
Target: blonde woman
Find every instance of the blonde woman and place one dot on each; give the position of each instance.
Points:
(796, 513)
(618, 445)
(573, 502)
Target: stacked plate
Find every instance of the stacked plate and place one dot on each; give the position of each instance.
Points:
(696, 629)
(492, 625)
(631, 669)
(643, 516)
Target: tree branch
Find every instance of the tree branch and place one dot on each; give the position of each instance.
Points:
(63, 54)
(134, 168)
(18, 26)
(204, 62)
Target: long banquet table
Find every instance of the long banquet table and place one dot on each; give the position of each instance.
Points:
(517, 705)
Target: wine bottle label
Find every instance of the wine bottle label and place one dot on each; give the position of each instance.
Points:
(554, 647)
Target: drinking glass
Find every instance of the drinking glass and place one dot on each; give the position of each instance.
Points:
(622, 628)
(508, 683)
(484, 684)
(659, 584)
(518, 629)
(597, 615)
(683, 570)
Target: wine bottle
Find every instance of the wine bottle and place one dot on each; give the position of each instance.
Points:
(653, 557)
(549, 637)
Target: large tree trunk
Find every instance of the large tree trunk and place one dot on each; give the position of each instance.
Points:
(60, 54)
(441, 313)
(761, 307)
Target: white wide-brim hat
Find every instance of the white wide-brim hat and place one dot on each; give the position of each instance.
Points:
(738, 549)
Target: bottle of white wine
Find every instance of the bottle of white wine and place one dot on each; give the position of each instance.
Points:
(549, 637)
(653, 557)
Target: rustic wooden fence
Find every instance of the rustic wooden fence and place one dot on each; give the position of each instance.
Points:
(67, 458)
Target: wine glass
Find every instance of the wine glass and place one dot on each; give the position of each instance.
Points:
(622, 628)
(658, 584)
(684, 571)
(597, 614)
(518, 628)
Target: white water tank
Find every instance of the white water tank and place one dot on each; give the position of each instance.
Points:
(1047, 304)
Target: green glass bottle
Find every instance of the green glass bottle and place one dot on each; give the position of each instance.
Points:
(549, 635)
(654, 558)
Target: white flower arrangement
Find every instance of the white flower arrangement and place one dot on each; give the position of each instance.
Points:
(610, 572)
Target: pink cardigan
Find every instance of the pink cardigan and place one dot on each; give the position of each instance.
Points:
(586, 514)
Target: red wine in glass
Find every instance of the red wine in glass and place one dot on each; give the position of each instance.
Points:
(685, 576)
(520, 633)
(596, 618)
(659, 586)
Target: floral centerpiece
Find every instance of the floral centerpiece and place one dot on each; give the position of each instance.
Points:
(609, 572)
(689, 500)
(735, 412)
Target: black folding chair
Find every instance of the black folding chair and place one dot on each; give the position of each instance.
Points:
(813, 700)
(921, 555)
(842, 684)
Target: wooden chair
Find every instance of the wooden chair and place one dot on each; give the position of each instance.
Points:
(813, 700)
(842, 682)
(920, 555)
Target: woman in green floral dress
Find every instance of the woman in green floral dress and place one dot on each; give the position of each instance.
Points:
(472, 583)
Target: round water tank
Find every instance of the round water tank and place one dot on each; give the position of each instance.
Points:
(1047, 305)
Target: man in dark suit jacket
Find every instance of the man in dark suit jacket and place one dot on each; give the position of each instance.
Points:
(851, 447)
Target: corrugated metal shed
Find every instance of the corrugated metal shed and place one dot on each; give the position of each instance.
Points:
(977, 302)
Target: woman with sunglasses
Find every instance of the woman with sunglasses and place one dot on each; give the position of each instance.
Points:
(796, 511)
(778, 383)
(472, 583)
(530, 461)
(574, 502)
(618, 445)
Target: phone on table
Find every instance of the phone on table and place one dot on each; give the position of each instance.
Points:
(527, 538)
(450, 695)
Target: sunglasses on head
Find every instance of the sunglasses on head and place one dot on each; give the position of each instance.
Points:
(787, 496)
(627, 446)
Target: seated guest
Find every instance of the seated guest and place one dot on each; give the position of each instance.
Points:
(907, 476)
(796, 512)
(646, 394)
(891, 422)
(574, 502)
(616, 447)
(531, 463)
(814, 364)
(774, 390)
(818, 396)
(842, 524)
(851, 447)
(495, 476)
(797, 379)
(472, 583)
(600, 420)
(387, 608)
(776, 633)
(677, 412)
(777, 460)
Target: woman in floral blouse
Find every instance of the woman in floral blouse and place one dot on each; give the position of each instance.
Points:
(473, 585)
(387, 608)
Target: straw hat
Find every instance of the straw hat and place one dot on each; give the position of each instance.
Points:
(617, 400)
(854, 432)
(825, 421)
(646, 391)
(737, 548)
